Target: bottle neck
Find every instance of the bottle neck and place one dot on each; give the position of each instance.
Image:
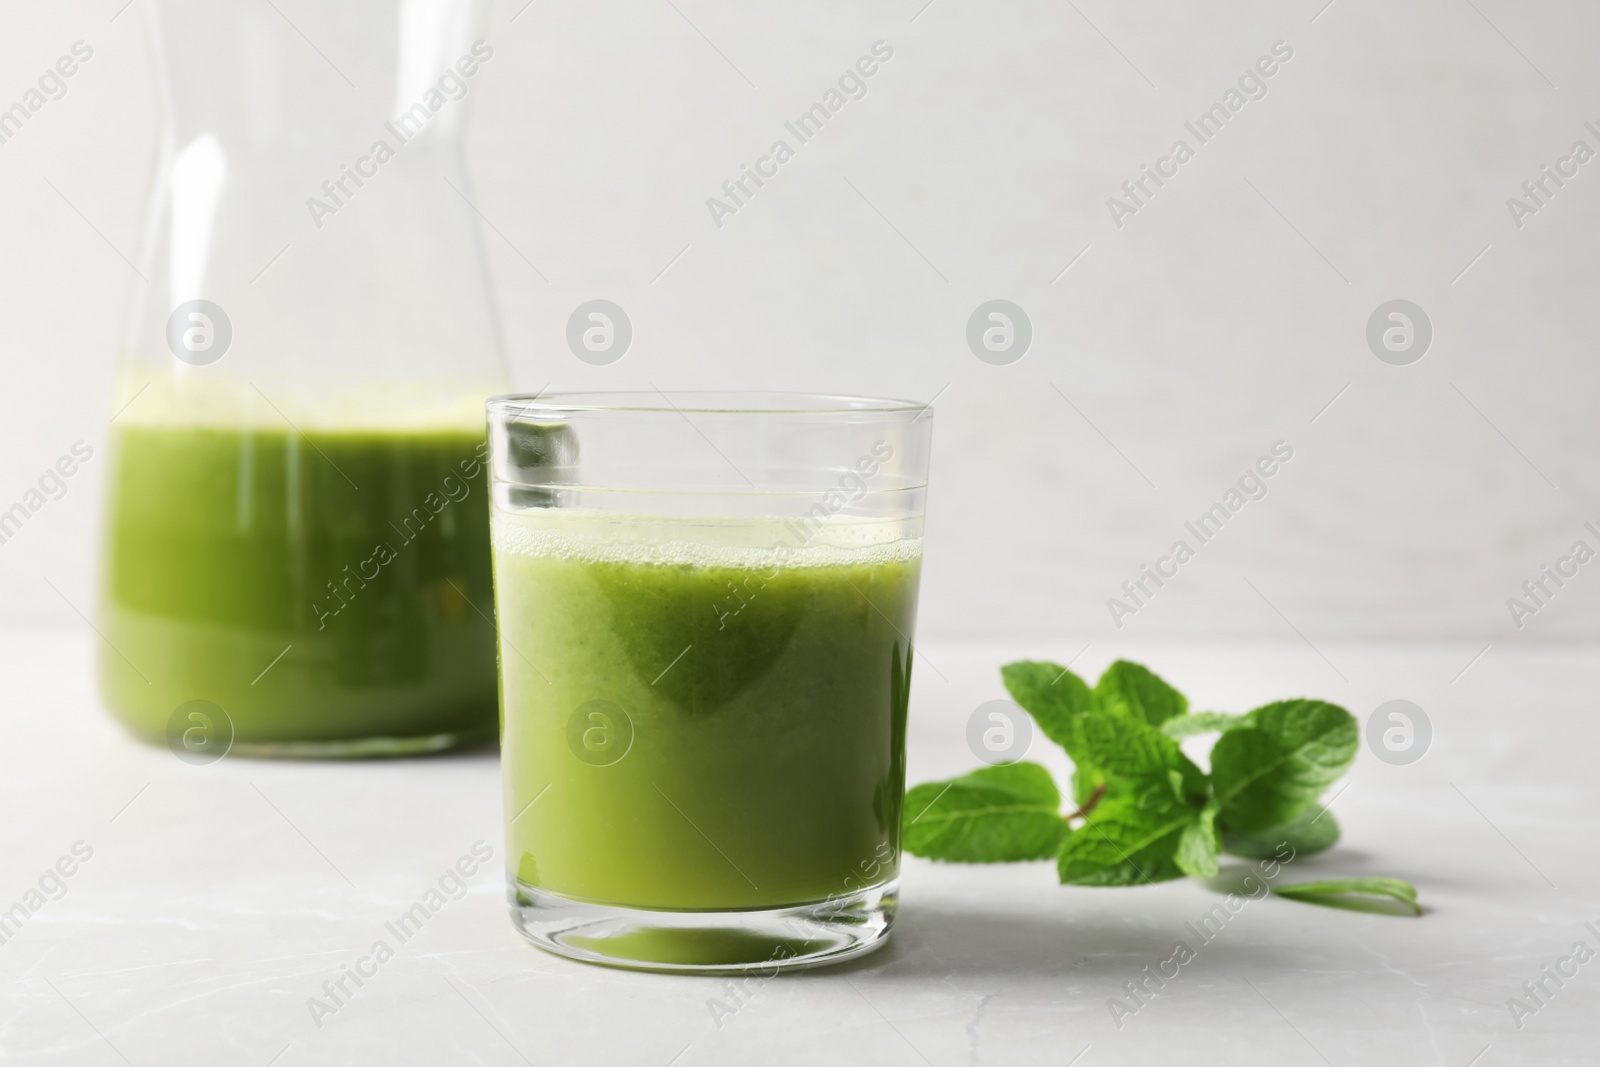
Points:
(332, 78)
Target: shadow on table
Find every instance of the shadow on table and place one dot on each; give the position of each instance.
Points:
(936, 941)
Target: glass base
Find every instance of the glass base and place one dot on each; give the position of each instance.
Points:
(706, 942)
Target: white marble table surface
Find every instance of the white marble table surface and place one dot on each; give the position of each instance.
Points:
(218, 899)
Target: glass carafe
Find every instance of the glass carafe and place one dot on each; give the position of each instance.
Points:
(297, 550)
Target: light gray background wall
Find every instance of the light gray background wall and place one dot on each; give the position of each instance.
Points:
(1225, 315)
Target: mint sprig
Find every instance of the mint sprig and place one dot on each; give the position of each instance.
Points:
(1145, 812)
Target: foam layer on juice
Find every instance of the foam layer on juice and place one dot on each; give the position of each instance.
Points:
(201, 397)
(592, 536)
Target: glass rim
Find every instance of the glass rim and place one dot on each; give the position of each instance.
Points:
(757, 402)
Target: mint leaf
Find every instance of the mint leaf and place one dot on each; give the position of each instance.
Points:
(1125, 842)
(1053, 695)
(1309, 832)
(1123, 747)
(1198, 845)
(1057, 699)
(1145, 694)
(1330, 891)
(1268, 768)
(1062, 703)
(1201, 722)
(996, 814)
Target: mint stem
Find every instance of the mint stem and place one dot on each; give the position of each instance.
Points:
(1088, 805)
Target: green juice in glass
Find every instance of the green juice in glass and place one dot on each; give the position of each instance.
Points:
(318, 587)
(692, 720)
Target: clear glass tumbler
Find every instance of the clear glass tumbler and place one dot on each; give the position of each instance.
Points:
(705, 604)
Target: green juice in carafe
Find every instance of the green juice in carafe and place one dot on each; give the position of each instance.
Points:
(329, 590)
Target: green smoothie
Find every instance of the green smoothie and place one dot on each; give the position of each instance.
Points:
(326, 589)
(694, 720)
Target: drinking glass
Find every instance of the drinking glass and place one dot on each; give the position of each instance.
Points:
(705, 604)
